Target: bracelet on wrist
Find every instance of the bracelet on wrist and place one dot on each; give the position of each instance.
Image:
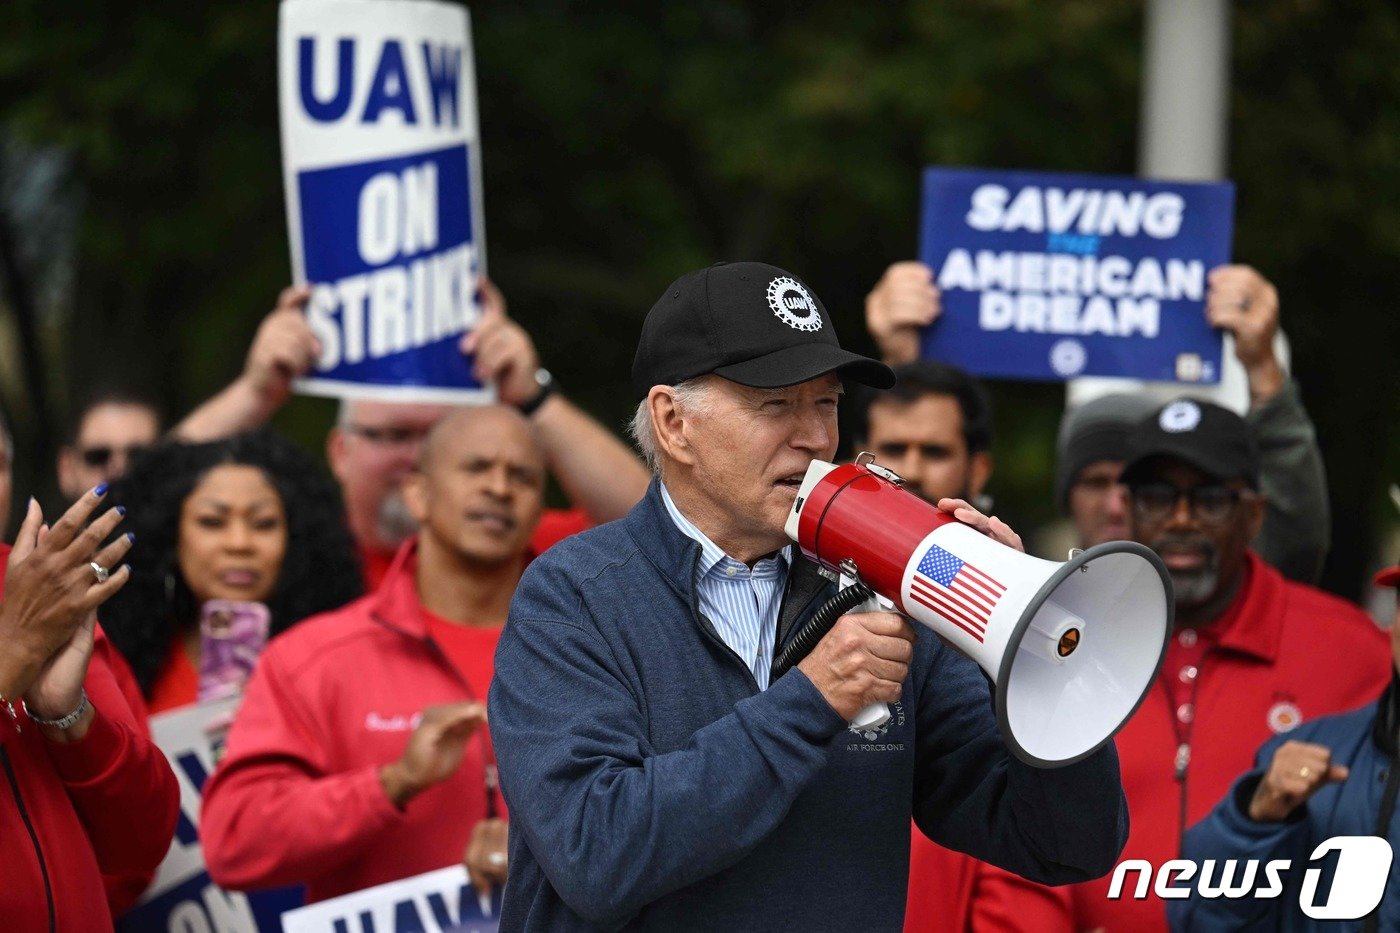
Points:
(63, 722)
(8, 708)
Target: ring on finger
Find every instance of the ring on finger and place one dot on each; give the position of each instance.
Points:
(1305, 772)
(496, 858)
(102, 573)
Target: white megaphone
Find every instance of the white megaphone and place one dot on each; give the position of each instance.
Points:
(1072, 648)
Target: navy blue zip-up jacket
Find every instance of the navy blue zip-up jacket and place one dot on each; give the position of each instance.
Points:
(652, 785)
(1347, 808)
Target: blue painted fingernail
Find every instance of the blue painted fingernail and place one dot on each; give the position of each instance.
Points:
(121, 510)
(131, 536)
(101, 490)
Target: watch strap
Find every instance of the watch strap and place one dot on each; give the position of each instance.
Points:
(545, 380)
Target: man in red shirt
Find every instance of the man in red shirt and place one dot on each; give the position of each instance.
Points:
(359, 755)
(1252, 656)
(375, 444)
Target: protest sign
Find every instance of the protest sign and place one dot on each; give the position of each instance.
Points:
(182, 899)
(441, 901)
(382, 164)
(1052, 276)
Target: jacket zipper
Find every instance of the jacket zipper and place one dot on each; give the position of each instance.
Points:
(33, 837)
(489, 777)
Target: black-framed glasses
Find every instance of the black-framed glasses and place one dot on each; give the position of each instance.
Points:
(1211, 504)
(100, 456)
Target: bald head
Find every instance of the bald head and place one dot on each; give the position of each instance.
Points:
(479, 486)
(469, 424)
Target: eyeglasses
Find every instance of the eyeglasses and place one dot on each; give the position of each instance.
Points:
(388, 437)
(98, 457)
(1209, 505)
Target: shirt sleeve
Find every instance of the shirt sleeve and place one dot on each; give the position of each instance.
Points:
(1051, 825)
(273, 813)
(124, 889)
(613, 823)
(554, 526)
(115, 771)
(1295, 536)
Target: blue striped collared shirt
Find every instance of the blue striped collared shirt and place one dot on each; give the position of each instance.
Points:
(742, 604)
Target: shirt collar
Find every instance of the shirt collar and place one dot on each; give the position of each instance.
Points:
(711, 554)
(1253, 622)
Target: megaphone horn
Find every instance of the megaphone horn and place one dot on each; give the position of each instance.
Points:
(1072, 647)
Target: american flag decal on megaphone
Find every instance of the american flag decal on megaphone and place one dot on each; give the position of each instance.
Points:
(955, 589)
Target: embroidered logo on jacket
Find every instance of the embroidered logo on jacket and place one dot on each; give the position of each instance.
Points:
(376, 722)
(874, 734)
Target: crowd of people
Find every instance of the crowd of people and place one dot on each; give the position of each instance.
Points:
(577, 704)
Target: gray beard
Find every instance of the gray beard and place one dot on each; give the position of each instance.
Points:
(1193, 589)
(394, 524)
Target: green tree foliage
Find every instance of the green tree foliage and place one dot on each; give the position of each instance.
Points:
(625, 145)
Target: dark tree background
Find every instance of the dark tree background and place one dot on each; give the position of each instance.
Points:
(142, 233)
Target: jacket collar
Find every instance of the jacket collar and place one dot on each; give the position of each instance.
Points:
(1253, 622)
(668, 548)
(674, 555)
(396, 602)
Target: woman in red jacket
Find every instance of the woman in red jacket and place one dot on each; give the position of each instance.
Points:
(83, 792)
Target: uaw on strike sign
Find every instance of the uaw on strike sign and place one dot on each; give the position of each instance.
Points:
(1052, 276)
(381, 158)
(182, 898)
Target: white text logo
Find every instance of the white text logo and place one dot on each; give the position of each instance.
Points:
(1358, 880)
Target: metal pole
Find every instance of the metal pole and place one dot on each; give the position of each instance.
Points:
(1183, 136)
(1185, 90)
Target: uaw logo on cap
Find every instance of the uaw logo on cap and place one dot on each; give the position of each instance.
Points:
(793, 306)
(1179, 417)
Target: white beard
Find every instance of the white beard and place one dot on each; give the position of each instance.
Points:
(394, 524)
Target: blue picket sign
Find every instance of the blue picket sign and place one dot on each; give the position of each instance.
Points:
(1049, 276)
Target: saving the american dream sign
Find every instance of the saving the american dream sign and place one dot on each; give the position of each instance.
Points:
(381, 160)
(1051, 276)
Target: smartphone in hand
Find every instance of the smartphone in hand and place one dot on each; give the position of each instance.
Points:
(231, 636)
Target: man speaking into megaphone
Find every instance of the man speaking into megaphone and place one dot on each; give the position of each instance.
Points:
(656, 779)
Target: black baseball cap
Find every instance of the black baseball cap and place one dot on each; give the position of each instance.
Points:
(1213, 439)
(749, 322)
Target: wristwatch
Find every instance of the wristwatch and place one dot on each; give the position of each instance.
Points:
(545, 380)
(66, 722)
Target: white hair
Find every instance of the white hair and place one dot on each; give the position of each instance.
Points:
(692, 395)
